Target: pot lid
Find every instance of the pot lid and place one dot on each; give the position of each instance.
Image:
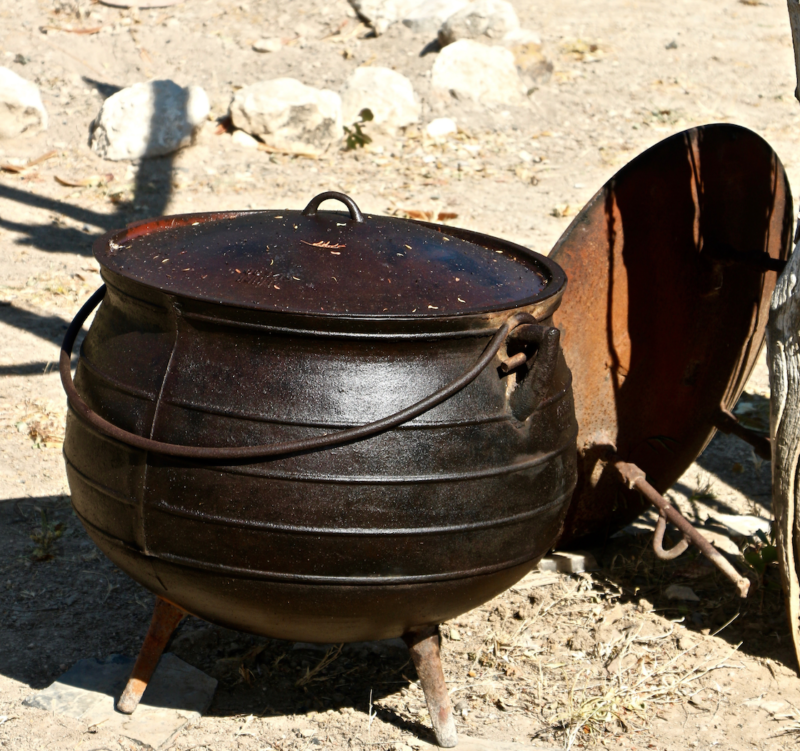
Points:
(329, 263)
(671, 265)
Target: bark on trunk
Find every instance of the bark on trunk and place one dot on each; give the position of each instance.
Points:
(783, 356)
(783, 351)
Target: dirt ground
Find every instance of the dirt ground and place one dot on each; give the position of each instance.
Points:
(601, 659)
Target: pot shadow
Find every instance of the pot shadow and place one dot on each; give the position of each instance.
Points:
(77, 605)
(152, 191)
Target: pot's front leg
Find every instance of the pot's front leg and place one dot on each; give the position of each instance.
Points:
(166, 618)
(423, 644)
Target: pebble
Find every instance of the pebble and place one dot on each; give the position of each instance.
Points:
(679, 592)
(245, 140)
(270, 44)
(21, 108)
(441, 127)
(147, 120)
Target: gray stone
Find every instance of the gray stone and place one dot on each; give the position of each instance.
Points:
(88, 691)
(381, 14)
(469, 70)
(490, 18)
(147, 120)
(21, 108)
(427, 17)
(289, 115)
(388, 94)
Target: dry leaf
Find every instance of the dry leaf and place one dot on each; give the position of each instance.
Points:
(22, 168)
(92, 180)
(70, 30)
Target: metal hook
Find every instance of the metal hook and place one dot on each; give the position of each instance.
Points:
(658, 539)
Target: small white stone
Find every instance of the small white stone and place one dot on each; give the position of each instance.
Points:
(287, 114)
(492, 18)
(148, 119)
(21, 108)
(441, 127)
(245, 140)
(270, 44)
(573, 562)
(469, 70)
(389, 95)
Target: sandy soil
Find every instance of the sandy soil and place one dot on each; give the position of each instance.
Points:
(529, 666)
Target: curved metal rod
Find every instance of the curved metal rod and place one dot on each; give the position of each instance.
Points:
(274, 449)
(658, 540)
(635, 478)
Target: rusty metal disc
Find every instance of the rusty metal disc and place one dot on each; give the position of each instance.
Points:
(671, 269)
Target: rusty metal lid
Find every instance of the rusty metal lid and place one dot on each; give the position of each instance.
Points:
(329, 263)
(671, 268)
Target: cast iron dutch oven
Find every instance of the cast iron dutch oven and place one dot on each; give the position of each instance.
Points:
(320, 426)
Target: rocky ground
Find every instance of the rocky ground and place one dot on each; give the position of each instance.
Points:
(584, 660)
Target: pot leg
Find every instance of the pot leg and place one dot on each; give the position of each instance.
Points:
(166, 618)
(423, 644)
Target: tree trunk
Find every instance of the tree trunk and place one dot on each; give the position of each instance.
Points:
(783, 356)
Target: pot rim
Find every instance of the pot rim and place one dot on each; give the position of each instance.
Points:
(540, 305)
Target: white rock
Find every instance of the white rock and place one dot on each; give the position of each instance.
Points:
(441, 127)
(289, 115)
(388, 94)
(469, 70)
(381, 14)
(491, 18)
(270, 44)
(427, 17)
(21, 108)
(245, 140)
(148, 119)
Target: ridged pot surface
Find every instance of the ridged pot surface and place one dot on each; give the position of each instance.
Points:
(411, 526)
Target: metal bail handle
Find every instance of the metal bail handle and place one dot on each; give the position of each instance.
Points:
(229, 453)
(355, 212)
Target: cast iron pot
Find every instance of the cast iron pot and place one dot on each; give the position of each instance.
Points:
(313, 426)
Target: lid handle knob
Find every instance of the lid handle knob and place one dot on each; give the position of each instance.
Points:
(355, 212)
